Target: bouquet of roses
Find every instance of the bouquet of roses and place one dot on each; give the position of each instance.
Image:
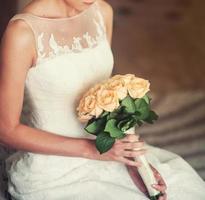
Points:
(114, 108)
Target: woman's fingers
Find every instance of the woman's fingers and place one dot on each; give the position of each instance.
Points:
(132, 145)
(134, 154)
(158, 177)
(154, 170)
(129, 148)
(129, 162)
(160, 188)
(160, 180)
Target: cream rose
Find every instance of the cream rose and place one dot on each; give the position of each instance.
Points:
(126, 78)
(117, 85)
(118, 76)
(138, 87)
(93, 90)
(84, 118)
(88, 108)
(107, 99)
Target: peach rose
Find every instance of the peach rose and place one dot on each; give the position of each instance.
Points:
(88, 108)
(117, 85)
(138, 87)
(94, 89)
(107, 99)
(126, 78)
(84, 118)
(118, 76)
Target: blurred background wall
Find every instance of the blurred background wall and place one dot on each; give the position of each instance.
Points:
(21, 4)
(7, 9)
(163, 41)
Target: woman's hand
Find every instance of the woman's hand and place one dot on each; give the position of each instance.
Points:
(161, 186)
(123, 150)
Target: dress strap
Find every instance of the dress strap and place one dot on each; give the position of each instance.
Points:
(26, 18)
(101, 17)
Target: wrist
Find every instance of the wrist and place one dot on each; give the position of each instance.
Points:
(90, 151)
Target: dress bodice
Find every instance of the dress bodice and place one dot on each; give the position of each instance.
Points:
(73, 53)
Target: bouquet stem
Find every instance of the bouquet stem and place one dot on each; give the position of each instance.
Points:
(146, 172)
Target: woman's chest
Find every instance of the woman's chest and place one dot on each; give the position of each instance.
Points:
(68, 73)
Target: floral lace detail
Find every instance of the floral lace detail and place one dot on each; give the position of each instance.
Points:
(76, 45)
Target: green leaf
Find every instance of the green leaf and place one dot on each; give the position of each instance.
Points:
(138, 121)
(104, 142)
(135, 116)
(119, 109)
(112, 115)
(116, 113)
(146, 98)
(126, 124)
(128, 104)
(122, 122)
(143, 108)
(105, 113)
(111, 127)
(96, 126)
(152, 116)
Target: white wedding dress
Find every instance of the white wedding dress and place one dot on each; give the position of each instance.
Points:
(74, 54)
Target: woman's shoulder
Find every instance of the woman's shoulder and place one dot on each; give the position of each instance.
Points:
(107, 12)
(19, 24)
(106, 8)
(17, 35)
(17, 43)
(18, 29)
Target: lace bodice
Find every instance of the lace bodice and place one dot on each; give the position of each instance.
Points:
(73, 53)
(66, 35)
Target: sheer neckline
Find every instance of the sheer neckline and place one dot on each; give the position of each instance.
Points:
(61, 18)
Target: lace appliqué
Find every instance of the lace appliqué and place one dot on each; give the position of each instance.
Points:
(76, 45)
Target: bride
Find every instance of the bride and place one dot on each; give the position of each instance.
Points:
(51, 53)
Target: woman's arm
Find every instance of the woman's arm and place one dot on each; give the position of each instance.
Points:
(16, 56)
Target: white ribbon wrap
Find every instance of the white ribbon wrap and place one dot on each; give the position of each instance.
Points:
(145, 170)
